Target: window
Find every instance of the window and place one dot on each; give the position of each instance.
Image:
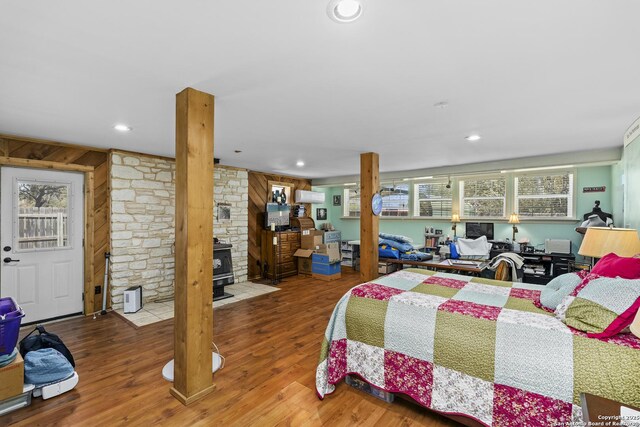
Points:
(483, 197)
(43, 213)
(433, 199)
(351, 202)
(547, 195)
(395, 200)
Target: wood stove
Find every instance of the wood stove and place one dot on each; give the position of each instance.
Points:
(222, 270)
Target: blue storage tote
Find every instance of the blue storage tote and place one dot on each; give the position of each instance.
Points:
(10, 318)
(326, 269)
(320, 258)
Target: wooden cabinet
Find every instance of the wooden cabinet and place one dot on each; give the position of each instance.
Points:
(278, 260)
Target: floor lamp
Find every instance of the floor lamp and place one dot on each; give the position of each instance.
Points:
(600, 241)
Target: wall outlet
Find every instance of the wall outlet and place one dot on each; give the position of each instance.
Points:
(98, 290)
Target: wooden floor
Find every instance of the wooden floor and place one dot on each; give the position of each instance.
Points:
(271, 344)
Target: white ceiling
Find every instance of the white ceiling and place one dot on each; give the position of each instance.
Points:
(532, 77)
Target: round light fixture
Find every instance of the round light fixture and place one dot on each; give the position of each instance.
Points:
(122, 128)
(299, 163)
(474, 137)
(344, 11)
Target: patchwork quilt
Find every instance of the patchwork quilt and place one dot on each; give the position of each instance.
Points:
(475, 347)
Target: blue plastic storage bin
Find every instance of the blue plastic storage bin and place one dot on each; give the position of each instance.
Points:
(10, 318)
(326, 269)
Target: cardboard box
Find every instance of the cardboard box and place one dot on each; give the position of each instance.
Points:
(387, 267)
(332, 250)
(327, 278)
(311, 239)
(12, 378)
(304, 260)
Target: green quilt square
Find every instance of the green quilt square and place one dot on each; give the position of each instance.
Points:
(604, 369)
(365, 319)
(324, 350)
(492, 282)
(431, 289)
(465, 344)
(525, 305)
(587, 316)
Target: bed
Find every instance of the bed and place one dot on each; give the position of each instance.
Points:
(473, 347)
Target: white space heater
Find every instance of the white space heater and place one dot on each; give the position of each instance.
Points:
(133, 299)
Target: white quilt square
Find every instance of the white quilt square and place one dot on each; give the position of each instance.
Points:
(366, 361)
(454, 391)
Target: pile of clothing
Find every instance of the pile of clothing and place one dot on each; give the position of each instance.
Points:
(399, 247)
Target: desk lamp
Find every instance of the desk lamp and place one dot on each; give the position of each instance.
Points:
(600, 241)
(513, 219)
(455, 219)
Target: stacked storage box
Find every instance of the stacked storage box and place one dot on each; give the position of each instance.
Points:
(325, 267)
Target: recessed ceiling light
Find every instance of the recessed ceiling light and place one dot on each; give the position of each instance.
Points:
(344, 11)
(300, 163)
(474, 137)
(122, 128)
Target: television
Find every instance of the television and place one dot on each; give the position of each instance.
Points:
(473, 230)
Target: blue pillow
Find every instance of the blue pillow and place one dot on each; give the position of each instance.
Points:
(558, 288)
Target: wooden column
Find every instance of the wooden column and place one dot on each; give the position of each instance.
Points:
(193, 324)
(369, 223)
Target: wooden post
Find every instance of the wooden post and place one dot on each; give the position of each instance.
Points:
(369, 223)
(193, 324)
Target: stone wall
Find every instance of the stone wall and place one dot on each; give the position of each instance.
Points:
(143, 223)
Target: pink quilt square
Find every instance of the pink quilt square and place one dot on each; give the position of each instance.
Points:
(529, 294)
(375, 291)
(408, 375)
(444, 281)
(480, 311)
(337, 365)
(513, 407)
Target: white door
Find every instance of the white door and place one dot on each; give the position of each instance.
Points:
(41, 239)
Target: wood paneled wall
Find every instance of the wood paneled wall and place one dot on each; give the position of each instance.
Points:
(36, 149)
(258, 193)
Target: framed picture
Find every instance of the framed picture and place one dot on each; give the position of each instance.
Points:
(321, 214)
(224, 212)
(337, 200)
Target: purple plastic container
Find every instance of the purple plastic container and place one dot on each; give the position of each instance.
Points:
(10, 318)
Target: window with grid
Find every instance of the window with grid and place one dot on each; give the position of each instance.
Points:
(433, 199)
(548, 195)
(483, 197)
(351, 204)
(395, 200)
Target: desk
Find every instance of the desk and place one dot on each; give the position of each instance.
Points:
(440, 265)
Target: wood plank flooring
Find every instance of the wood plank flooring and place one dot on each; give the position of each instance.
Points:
(271, 344)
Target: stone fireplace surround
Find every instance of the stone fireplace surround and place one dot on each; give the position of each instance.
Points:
(143, 223)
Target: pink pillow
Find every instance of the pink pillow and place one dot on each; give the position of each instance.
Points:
(612, 265)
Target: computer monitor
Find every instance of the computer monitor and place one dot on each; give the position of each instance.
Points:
(473, 230)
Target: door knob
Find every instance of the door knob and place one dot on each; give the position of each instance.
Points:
(6, 248)
(8, 260)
